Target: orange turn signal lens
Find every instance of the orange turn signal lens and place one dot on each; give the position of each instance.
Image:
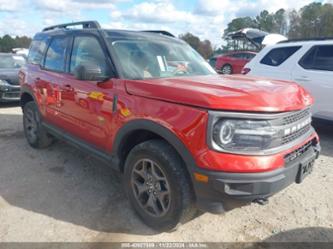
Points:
(200, 177)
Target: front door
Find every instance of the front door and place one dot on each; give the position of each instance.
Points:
(87, 104)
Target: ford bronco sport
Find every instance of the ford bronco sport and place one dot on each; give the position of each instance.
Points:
(184, 137)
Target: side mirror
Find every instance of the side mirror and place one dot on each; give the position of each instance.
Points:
(89, 71)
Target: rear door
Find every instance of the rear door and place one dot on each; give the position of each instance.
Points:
(315, 72)
(277, 63)
(242, 59)
(32, 70)
(51, 78)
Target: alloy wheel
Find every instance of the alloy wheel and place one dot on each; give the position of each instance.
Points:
(226, 69)
(151, 187)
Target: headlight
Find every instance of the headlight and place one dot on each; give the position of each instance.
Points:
(243, 135)
(256, 134)
(4, 83)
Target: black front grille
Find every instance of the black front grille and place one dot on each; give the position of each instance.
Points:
(299, 152)
(296, 116)
(10, 95)
(13, 82)
(293, 136)
(293, 125)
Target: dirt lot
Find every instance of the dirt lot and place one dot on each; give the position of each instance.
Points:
(61, 194)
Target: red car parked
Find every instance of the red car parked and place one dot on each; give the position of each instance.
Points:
(149, 106)
(233, 62)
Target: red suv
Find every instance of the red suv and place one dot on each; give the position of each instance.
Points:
(233, 62)
(149, 106)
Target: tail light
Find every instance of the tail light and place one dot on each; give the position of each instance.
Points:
(246, 70)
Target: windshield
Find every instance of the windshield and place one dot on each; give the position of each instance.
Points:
(143, 59)
(11, 61)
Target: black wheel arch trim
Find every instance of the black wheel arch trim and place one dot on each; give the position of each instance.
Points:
(157, 129)
(27, 90)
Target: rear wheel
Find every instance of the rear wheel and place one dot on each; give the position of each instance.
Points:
(226, 69)
(158, 186)
(35, 133)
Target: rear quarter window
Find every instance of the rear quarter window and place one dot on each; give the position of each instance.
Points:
(318, 58)
(237, 56)
(277, 56)
(250, 56)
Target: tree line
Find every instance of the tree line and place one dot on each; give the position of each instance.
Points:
(204, 47)
(311, 21)
(7, 43)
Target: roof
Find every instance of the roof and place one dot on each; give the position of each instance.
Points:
(236, 52)
(113, 34)
(241, 51)
(303, 42)
(308, 40)
(94, 26)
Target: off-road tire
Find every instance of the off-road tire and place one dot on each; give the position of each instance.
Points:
(181, 205)
(35, 133)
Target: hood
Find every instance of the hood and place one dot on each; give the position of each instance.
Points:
(217, 92)
(10, 75)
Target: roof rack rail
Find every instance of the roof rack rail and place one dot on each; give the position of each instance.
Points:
(162, 32)
(308, 39)
(85, 25)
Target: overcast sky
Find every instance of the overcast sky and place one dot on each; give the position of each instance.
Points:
(205, 18)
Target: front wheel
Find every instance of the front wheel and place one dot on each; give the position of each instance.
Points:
(226, 69)
(35, 133)
(158, 186)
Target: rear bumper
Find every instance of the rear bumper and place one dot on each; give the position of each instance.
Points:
(10, 94)
(225, 191)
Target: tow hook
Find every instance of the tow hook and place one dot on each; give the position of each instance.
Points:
(261, 201)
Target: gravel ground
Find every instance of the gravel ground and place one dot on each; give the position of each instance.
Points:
(60, 194)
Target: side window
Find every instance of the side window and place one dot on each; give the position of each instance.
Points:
(246, 56)
(55, 55)
(87, 50)
(250, 56)
(237, 56)
(318, 58)
(308, 59)
(36, 51)
(277, 56)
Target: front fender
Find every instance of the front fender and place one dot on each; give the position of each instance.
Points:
(158, 129)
